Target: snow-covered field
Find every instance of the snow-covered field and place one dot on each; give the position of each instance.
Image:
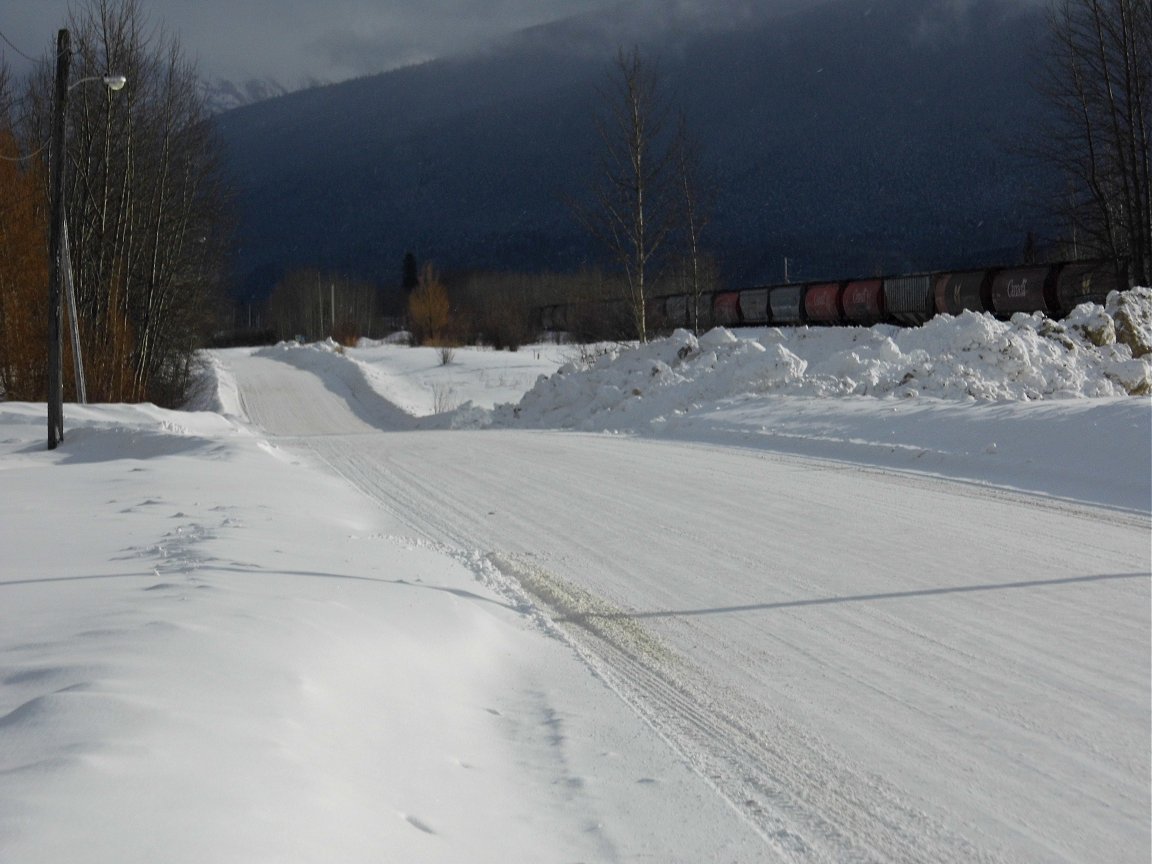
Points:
(867, 595)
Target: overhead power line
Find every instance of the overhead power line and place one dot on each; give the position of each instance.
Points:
(12, 45)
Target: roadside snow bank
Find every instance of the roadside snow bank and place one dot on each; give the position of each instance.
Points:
(971, 357)
(415, 382)
(211, 651)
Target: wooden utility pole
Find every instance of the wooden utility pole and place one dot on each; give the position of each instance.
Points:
(56, 239)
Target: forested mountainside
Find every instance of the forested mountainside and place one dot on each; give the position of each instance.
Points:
(850, 136)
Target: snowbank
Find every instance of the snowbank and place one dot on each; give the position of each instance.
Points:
(1031, 404)
(972, 357)
(418, 381)
(211, 655)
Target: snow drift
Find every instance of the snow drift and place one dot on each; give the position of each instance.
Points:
(1096, 352)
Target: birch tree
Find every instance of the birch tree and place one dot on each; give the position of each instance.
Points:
(634, 211)
(695, 197)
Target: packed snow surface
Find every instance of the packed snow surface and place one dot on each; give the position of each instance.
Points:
(818, 595)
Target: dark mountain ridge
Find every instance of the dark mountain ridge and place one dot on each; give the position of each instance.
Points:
(851, 136)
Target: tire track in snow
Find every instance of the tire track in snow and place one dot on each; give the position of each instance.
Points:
(801, 800)
(933, 672)
(802, 793)
(799, 795)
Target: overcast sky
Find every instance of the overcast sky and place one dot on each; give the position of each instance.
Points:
(295, 41)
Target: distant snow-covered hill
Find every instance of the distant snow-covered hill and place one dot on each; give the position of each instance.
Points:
(223, 95)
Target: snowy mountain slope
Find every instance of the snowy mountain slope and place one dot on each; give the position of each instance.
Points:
(222, 95)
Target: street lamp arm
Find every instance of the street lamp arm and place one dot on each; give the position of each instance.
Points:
(112, 82)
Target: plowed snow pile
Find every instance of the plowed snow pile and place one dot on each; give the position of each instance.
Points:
(1095, 352)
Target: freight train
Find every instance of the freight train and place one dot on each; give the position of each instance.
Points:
(910, 300)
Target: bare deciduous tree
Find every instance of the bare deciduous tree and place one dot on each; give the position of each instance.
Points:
(698, 272)
(1099, 81)
(23, 262)
(634, 211)
(496, 308)
(144, 202)
(428, 309)
(315, 305)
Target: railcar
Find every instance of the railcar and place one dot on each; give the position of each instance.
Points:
(863, 302)
(966, 291)
(656, 310)
(1024, 289)
(754, 306)
(824, 303)
(726, 308)
(1088, 282)
(676, 309)
(909, 300)
(786, 305)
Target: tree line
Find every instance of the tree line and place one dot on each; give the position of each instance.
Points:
(496, 309)
(1098, 81)
(144, 203)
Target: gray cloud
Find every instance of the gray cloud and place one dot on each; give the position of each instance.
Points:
(294, 41)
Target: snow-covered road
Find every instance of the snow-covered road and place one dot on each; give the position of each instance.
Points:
(868, 665)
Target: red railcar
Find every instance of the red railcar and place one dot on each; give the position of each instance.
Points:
(726, 308)
(863, 302)
(824, 304)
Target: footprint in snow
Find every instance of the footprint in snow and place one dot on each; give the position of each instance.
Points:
(418, 824)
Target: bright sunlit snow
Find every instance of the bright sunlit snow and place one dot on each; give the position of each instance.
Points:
(816, 595)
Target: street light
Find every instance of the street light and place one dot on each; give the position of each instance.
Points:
(56, 236)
